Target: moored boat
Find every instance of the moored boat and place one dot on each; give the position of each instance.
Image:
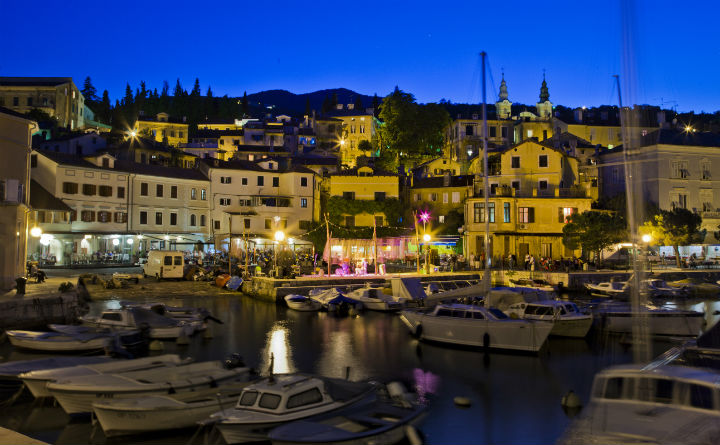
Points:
(160, 326)
(375, 299)
(77, 394)
(333, 300)
(566, 317)
(164, 412)
(476, 326)
(65, 342)
(284, 398)
(37, 380)
(302, 303)
(615, 316)
(613, 289)
(537, 283)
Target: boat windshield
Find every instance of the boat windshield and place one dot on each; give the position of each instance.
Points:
(500, 315)
(538, 310)
(248, 398)
(269, 401)
(655, 390)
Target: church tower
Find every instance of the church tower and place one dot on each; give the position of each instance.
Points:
(503, 105)
(544, 107)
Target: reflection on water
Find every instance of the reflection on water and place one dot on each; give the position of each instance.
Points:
(515, 398)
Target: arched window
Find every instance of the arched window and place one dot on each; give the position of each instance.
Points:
(192, 220)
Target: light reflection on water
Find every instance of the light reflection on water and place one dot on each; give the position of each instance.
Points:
(515, 398)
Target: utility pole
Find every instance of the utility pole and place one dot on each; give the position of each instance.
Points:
(486, 184)
(375, 251)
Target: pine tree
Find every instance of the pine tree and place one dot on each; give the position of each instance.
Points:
(166, 89)
(196, 88)
(89, 91)
(376, 104)
(128, 99)
(178, 91)
(105, 107)
(244, 104)
(209, 93)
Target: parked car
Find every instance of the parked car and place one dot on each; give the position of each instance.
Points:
(163, 264)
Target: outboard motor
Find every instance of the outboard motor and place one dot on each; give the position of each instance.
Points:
(234, 360)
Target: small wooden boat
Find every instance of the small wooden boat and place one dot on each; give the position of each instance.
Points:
(302, 303)
(65, 342)
(77, 394)
(164, 412)
(383, 421)
(37, 380)
(11, 382)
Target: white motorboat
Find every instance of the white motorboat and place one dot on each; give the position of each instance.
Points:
(160, 326)
(302, 303)
(375, 299)
(384, 421)
(616, 316)
(197, 316)
(65, 342)
(279, 399)
(11, 383)
(77, 394)
(37, 380)
(164, 412)
(476, 326)
(650, 404)
(613, 289)
(566, 317)
(333, 300)
(537, 283)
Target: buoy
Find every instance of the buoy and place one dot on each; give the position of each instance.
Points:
(182, 340)
(156, 345)
(463, 402)
(413, 435)
(571, 400)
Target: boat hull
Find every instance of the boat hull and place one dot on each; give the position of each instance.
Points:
(514, 335)
(71, 345)
(572, 327)
(672, 324)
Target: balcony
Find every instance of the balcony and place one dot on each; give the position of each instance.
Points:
(550, 192)
(710, 215)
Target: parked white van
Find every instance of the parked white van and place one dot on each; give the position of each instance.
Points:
(164, 264)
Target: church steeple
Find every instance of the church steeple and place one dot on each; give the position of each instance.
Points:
(503, 106)
(544, 94)
(503, 89)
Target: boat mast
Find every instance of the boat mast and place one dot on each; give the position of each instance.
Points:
(486, 185)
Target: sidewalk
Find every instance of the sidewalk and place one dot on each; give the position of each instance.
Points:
(49, 288)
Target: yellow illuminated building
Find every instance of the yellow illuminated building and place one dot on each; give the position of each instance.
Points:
(536, 188)
(364, 184)
(162, 129)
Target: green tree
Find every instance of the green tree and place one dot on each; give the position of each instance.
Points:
(89, 91)
(209, 93)
(677, 227)
(196, 88)
(105, 108)
(244, 107)
(178, 91)
(594, 231)
(365, 146)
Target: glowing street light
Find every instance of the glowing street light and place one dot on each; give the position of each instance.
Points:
(115, 242)
(426, 239)
(133, 133)
(646, 238)
(279, 237)
(36, 232)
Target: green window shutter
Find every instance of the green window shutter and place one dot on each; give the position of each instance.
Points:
(531, 214)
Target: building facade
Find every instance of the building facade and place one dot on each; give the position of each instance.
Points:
(162, 128)
(57, 96)
(364, 184)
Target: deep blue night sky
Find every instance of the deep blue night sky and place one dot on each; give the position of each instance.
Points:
(427, 48)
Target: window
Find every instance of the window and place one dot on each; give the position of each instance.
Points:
(203, 196)
(441, 219)
(350, 220)
(120, 217)
(105, 190)
(349, 195)
(564, 213)
(243, 181)
(143, 217)
(276, 181)
(173, 191)
(167, 260)
(193, 193)
(89, 189)
(104, 216)
(248, 398)
(144, 189)
(113, 316)
(493, 132)
(432, 197)
(202, 220)
(16, 101)
(87, 216)
(480, 212)
(515, 185)
(269, 401)
(493, 189)
(303, 182)
(445, 198)
(304, 398)
(543, 184)
(121, 192)
(247, 223)
(468, 130)
(106, 163)
(506, 212)
(173, 219)
(260, 181)
(679, 169)
(526, 214)
(701, 397)
(70, 188)
(193, 220)
(177, 261)
(705, 170)
(303, 202)
(477, 212)
(224, 201)
(268, 223)
(225, 179)
(543, 161)
(455, 197)
(379, 196)
(159, 190)
(158, 218)
(515, 162)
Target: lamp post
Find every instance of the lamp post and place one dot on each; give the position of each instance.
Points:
(425, 217)
(279, 236)
(647, 239)
(426, 239)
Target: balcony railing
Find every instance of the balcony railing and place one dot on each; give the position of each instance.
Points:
(550, 192)
(710, 215)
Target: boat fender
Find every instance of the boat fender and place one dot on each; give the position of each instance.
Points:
(413, 436)
(571, 400)
(486, 341)
(462, 402)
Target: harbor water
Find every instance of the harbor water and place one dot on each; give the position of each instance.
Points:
(515, 398)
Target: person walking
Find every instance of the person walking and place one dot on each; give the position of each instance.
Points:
(510, 261)
(527, 261)
(532, 263)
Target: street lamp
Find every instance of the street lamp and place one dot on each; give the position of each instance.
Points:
(36, 232)
(647, 239)
(426, 239)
